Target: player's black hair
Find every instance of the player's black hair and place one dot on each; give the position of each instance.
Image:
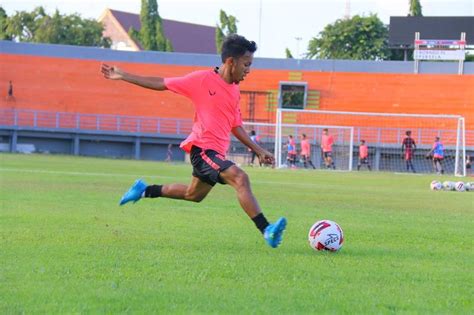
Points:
(236, 46)
(304, 135)
(252, 133)
(362, 141)
(408, 132)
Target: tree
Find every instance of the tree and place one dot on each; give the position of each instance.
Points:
(288, 53)
(3, 25)
(228, 25)
(151, 35)
(358, 38)
(39, 27)
(415, 8)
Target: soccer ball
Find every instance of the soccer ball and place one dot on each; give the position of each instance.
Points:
(460, 186)
(326, 235)
(435, 185)
(447, 185)
(469, 186)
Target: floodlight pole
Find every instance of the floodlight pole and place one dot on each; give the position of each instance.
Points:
(298, 39)
(260, 28)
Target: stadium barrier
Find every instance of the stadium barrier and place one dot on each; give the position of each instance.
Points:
(384, 142)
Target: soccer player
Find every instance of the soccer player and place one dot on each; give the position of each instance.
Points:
(437, 154)
(169, 153)
(291, 146)
(253, 154)
(306, 152)
(326, 146)
(363, 155)
(215, 95)
(468, 164)
(408, 149)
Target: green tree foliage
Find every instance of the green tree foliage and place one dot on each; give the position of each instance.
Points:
(39, 27)
(227, 26)
(358, 38)
(288, 53)
(3, 25)
(415, 8)
(151, 35)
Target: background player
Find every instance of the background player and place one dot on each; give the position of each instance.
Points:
(408, 150)
(306, 152)
(363, 155)
(327, 141)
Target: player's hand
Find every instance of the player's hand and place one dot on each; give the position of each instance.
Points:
(111, 72)
(265, 157)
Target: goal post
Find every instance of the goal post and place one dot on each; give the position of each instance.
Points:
(384, 134)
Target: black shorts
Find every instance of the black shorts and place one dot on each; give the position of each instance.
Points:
(363, 161)
(327, 154)
(208, 164)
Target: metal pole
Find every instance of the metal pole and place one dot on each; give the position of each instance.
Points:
(461, 61)
(277, 137)
(463, 130)
(351, 149)
(417, 62)
(260, 28)
(456, 160)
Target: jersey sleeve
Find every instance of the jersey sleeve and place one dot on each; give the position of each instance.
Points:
(186, 85)
(238, 118)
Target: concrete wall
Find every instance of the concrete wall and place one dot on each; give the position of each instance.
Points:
(66, 79)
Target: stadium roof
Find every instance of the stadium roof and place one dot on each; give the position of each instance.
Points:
(403, 28)
(185, 37)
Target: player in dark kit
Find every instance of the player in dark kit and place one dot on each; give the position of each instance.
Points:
(215, 95)
(408, 149)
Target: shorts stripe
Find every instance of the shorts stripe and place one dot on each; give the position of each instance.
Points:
(209, 161)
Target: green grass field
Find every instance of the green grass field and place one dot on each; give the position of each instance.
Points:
(67, 247)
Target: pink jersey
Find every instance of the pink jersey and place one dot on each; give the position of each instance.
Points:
(305, 147)
(217, 109)
(326, 143)
(363, 151)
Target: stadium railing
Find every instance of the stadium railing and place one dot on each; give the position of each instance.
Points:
(38, 119)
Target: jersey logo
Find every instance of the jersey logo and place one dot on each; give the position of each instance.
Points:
(212, 93)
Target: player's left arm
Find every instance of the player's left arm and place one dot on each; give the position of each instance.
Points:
(263, 155)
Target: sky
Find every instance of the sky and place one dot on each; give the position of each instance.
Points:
(273, 24)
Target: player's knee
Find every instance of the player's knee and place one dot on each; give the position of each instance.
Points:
(198, 198)
(195, 197)
(242, 179)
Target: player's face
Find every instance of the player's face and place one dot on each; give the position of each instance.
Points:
(241, 67)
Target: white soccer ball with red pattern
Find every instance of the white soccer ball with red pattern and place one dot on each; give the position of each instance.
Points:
(326, 235)
(459, 186)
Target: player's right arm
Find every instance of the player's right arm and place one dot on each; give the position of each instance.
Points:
(115, 73)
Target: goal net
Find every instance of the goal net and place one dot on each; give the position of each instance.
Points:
(418, 143)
